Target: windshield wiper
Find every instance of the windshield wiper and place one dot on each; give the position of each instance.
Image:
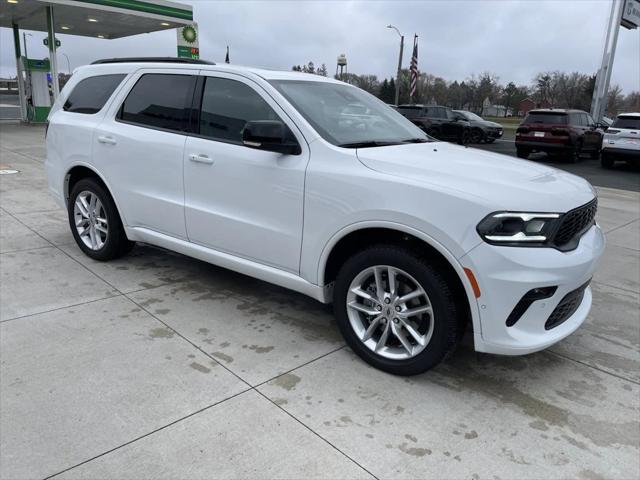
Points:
(416, 140)
(367, 144)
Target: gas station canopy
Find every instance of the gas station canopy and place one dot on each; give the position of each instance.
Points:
(96, 18)
(106, 19)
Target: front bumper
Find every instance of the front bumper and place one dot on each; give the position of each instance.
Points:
(494, 133)
(506, 274)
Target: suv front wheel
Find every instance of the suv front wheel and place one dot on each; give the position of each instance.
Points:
(395, 310)
(95, 222)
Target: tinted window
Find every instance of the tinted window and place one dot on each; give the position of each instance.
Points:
(546, 118)
(90, 94)
(576, 119)
(227, 105)
(160, 101)
(627, 122)
(438, 112)
(431, 112)
(410, 112)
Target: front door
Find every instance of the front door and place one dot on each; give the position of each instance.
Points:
(240, 200)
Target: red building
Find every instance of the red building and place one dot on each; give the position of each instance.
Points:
(524, 106)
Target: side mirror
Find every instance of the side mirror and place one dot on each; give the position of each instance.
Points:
(270, 135)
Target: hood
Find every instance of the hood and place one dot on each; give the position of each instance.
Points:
(499, 181)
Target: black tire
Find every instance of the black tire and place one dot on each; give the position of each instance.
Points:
(522, 153)
(465, 138)
(447, 328)
(477, 136)
(575, 152)
(116, 243)
(606, 161)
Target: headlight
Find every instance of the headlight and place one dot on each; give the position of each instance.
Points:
(518, 228)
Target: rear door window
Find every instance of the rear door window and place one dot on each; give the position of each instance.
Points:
(90, 94)
(546, 118)
(160, 100)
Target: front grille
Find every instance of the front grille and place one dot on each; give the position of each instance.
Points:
(567, 307)
(574, 223)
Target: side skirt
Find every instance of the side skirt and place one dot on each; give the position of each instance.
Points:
(237, 264)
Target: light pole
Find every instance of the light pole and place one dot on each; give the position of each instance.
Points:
(24, 39)
(399, 62)
(68, 62)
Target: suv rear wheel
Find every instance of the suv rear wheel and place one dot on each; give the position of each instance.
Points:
(395, 310)
(522, 152)
(575, 152)
(606, 161)
(95, 222)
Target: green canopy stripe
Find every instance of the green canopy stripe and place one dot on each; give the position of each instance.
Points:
(141, 6)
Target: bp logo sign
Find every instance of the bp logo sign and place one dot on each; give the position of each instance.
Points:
(188, 41)
(189, 34)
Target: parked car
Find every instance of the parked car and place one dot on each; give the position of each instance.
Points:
(606, 122)
(439, 122)
(621, 141)
(558, 131)
(481, 130)
(253, 170)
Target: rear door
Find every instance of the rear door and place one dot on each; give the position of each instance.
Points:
(240, 200)
(140, 146)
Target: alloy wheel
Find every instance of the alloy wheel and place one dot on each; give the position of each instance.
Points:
(90, 220)
(390, 312)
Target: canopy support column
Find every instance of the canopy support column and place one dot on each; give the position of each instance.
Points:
(21, 85)
(53, 59)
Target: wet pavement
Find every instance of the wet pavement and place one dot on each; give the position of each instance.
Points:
(160, 366)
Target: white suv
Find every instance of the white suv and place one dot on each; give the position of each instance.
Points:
(621, 141)
(276, 175)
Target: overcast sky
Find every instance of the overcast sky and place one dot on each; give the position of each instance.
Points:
(514, 39)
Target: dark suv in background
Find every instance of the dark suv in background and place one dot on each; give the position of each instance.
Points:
(439, 122)
(481, 130)
(559, 131)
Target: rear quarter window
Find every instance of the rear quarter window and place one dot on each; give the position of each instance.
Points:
(90, 94)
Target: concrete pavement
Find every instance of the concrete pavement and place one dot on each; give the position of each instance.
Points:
(161, 366)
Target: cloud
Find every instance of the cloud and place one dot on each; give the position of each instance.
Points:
(514, 39)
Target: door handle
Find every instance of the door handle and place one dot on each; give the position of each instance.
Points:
(201, 158)
(106, 140)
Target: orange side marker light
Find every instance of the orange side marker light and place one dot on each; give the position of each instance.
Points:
(473, 281)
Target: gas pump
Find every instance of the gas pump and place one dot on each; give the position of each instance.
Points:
(37, 94)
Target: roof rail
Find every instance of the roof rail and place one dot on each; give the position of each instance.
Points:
(152, 60)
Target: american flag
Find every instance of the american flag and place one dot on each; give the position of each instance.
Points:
(414, 68)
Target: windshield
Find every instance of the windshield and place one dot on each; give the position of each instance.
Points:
(347, 116)
(627, 122)
(546, 118)
(469, 115)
